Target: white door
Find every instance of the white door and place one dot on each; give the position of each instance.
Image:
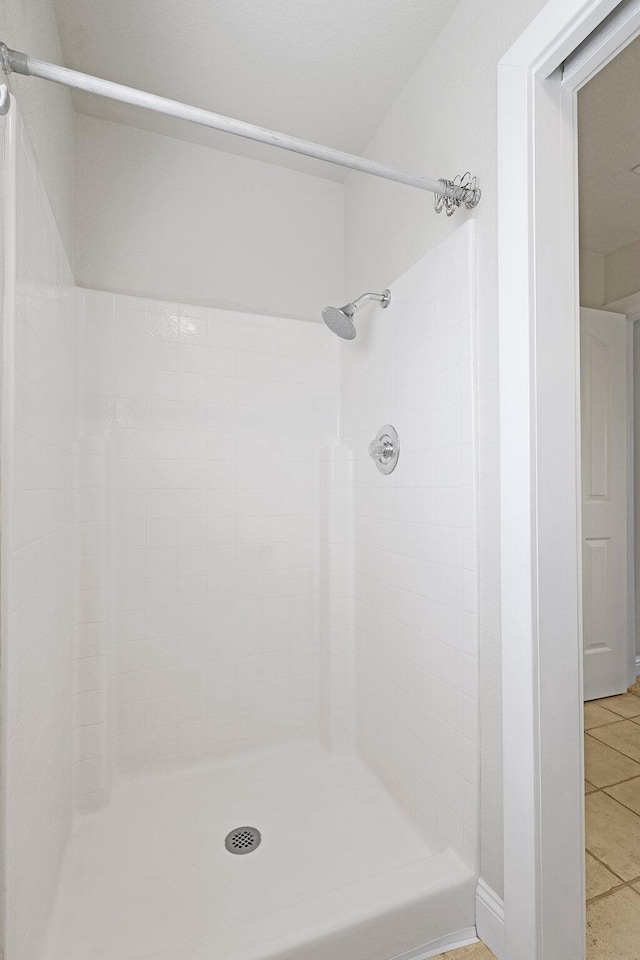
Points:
(603, 368)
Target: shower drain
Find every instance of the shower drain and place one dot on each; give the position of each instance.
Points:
(242, 840)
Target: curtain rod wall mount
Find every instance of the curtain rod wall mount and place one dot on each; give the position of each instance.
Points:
(449, 194)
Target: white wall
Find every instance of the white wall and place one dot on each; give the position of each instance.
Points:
(93, 618)
(611, 278)
(39, 418)
(337, 643)
(30, 26)
(214, 419)
(415, 540)
(592, 270)
(164, 218)
(622, 272)
(444, 123)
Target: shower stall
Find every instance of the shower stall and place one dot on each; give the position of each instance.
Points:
(224, 630)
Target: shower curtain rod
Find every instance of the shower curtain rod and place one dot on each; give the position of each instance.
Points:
(450, 194)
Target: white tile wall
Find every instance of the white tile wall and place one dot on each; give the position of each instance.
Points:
(415, 536)
(39, 403)
(337, 646)
(215, 419)
(92, 625)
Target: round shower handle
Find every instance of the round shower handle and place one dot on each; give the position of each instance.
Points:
(384, 449)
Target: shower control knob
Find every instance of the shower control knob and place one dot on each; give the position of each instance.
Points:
(384, 449)
(381, 449)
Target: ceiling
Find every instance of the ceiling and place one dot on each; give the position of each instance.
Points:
(323, 70)
(608, 147)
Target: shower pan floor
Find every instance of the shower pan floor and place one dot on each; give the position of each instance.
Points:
(341, 871)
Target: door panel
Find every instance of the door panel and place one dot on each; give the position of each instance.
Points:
(603, 367)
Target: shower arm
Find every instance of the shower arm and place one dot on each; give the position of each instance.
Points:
(383, 298)
(449, 194)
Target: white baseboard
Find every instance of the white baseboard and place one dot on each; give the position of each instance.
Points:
(490, 918)
(453, 941)
(638, 665)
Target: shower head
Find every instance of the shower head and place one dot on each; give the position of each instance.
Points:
(340, 320)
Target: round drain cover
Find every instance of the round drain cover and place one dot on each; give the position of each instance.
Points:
(242, 840)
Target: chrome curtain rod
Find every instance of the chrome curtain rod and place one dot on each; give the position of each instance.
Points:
(450, 194)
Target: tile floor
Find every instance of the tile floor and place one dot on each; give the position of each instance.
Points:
(477, 951)
(612, 770)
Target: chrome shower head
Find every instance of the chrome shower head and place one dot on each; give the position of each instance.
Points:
(339, 320)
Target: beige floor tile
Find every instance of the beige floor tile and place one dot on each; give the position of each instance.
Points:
(626, 705)
(623, 736)
(477, 951)
(597, 716)
(589, 787)
(613, 836)
(627, 793)
(613, 927)
(604, 766)
(599, 879)
(636, 886)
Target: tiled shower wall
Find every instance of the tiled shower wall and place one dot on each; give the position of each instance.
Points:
(214, 420)
(93, 623)
(39, 408)
(415, 540)
(337, 648)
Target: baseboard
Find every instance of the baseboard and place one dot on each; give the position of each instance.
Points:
(638, 665)
(453, 941)
(490, 918)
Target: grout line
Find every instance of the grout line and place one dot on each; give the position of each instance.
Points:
(621, 802)
(625, 755)
(615, 799)
(603, 896)
(607, 786)
(619, 716)
(616, 889)
(595, 726)
(599, 726)
(607, 867)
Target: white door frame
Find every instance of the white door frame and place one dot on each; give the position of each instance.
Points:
(544, 903)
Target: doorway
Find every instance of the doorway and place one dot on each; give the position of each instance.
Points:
(609, 233)
(609, 237)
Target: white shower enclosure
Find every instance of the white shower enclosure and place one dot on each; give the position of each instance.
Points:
(217, 613)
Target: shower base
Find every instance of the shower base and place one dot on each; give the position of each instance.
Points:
(340, 873)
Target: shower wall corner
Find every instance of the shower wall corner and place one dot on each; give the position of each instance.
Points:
(336, 619)
(37, 582)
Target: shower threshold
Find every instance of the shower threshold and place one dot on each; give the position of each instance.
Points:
(341, 871)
